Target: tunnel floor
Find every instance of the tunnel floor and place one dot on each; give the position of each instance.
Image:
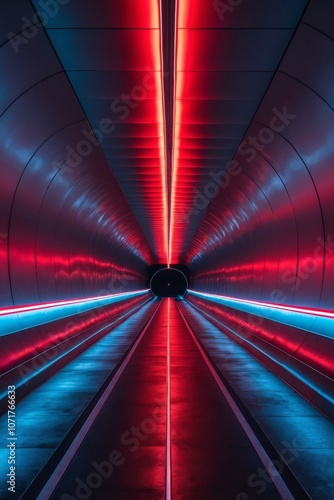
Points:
(167, 406)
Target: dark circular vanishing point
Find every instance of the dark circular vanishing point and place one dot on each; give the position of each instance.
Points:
(169, 282)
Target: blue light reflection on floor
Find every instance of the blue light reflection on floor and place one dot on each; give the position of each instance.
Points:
(31, 373)
(317, 322)
(305, 380)
(46, 415)
(288, 420)
(13, 321)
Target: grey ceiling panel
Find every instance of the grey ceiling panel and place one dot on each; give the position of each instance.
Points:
(308, 44)
(109, 84)
(13, 20)
(25, 74)
(319, 14)
(242, 14)
(225, 85)
(233, 50)
(111, 52)
(105, 49)
(101, 14)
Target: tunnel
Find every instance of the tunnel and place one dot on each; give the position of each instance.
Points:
(169, 282)
(167, 249)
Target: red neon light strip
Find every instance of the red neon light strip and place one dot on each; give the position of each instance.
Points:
(164, 163)
(174, 165)
(168, 487)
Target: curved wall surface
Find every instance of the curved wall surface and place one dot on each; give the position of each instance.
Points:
(267, 238)
(66, 229)
(269, 233)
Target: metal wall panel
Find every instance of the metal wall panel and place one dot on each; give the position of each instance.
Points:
(274, 242)
(268, 234)
(62, 220)
(112, 55)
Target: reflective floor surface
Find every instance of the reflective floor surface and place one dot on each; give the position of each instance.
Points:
(166, 429)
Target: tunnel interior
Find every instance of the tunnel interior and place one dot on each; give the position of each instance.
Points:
(169, 282)
(167, 232)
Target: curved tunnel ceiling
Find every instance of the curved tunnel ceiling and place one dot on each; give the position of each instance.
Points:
(268, 232)
(66, 227)
(111, 52)
(169, 156)
(198, 134)
(122, 120)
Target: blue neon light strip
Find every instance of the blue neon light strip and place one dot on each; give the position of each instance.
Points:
(305, 380)
(33, 373)
(19, 318)
(312, 320)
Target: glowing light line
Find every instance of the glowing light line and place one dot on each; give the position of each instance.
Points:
(33, 374)
(173, 160)
(293, 372)
(59, 471)
(272, 305)
(168, 488)
(317, 321)
(261, 452)
(164, 169)
(47, 305)
(15, 319)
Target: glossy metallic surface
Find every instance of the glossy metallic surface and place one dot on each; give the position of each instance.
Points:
(66, 229)
(138, 431)
(112, 56)
(226, 58)
(196, 134)
(268, 233)
(47, 408)
(211, 455)
(301, 358)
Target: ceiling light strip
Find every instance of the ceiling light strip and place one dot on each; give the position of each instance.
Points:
(173, 160)
(164, 169)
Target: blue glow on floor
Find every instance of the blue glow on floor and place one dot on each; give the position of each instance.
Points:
(47, 414)
(311, 320)
(31, 373)
(295, 373)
